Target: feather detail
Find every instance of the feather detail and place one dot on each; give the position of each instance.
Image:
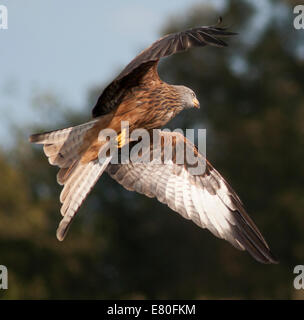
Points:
(62, 146)
(207, 199)
(75, 191)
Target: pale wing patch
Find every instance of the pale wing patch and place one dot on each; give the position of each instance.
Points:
(206, 199)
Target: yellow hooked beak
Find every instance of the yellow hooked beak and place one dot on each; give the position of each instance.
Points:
(196, 103)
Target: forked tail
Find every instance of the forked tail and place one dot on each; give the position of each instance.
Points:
(62, 149)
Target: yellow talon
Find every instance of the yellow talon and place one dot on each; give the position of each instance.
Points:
(121, 138)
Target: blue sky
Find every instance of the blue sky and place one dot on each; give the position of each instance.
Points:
(66, 47)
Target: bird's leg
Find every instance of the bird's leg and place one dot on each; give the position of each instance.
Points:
(121, 138)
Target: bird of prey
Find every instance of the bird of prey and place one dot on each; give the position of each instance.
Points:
(139, 96)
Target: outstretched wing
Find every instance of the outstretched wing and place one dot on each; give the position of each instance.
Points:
(206, 199)
(139, 66)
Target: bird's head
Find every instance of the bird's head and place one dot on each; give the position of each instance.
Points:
(188, 97)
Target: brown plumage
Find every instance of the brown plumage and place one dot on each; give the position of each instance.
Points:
(139, 96)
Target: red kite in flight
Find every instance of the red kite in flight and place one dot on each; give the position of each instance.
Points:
(140, 97)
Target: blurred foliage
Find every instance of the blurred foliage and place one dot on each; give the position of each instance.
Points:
(123, 245)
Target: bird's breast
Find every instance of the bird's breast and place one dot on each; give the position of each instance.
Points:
(149, 107)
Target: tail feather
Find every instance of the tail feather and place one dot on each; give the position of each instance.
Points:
(64, 173)
(61, 134)
(61, 176)
(62, 154)
(62, 149)
(62, 146)
(70, 179)
(80, 184)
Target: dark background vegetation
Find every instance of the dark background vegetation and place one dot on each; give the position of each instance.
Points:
(123, 245)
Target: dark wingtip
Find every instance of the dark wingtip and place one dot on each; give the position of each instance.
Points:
(223, 29)
(264, 256)
(267, 256)
(272, 258)
(261, 254)
(219, 20)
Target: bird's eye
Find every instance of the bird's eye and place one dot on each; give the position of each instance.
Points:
(193, 94)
